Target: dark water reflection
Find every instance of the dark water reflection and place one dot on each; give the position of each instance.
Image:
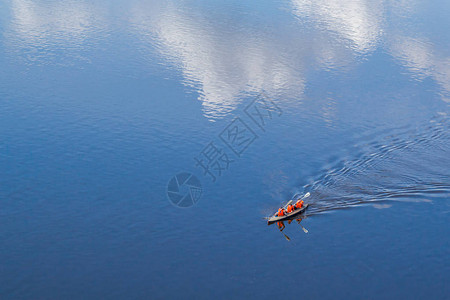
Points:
(101, 103)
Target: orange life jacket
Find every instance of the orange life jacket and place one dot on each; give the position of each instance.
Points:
(299, 204)
(290, 208)
(281, 212)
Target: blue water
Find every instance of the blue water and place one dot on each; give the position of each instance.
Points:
(103, 102)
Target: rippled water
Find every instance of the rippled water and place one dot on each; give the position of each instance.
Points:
(102, 103)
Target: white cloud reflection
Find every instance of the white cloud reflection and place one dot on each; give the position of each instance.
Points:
(38, 29)
(225, 58)
(32, 18)
(361, 23)
(420, 57)
(224, 65)
(357, 21)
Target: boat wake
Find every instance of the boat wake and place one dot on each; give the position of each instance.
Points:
(403, 165)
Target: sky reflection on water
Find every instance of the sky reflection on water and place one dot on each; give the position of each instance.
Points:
(224, 57)
(225, 62)
(101, 103)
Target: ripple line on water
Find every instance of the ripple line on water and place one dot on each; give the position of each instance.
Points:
(392, 167)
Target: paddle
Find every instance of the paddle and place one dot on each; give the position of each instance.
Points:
(281, 230)
(304, 229)
(306, 196)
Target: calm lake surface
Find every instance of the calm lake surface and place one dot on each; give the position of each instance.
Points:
(103, 102)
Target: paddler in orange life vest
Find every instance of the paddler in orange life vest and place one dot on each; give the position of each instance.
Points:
(299, 204)
(280, 212)
(290, 208)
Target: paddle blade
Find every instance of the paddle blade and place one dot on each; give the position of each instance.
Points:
(307, 195)
(304, 230)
